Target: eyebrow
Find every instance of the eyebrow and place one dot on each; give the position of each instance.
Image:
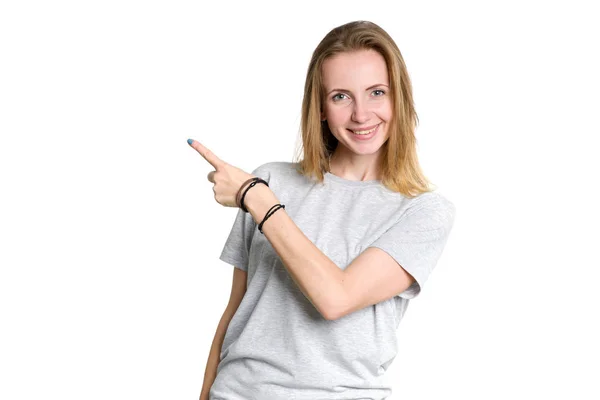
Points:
(346, 90)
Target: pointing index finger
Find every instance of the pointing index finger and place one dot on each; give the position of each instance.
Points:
(206, 153)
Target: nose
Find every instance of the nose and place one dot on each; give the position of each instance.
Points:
(360, 113)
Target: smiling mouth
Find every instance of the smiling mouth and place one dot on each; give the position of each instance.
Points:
(364, 131)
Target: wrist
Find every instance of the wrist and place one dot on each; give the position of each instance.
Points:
(259, 200)
(238, 198)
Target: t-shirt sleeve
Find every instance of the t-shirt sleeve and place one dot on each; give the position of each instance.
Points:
(417, 240)
(237, 246)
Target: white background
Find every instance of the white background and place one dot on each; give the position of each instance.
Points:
(110, 283)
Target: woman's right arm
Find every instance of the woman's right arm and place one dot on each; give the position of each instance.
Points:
(238, 289)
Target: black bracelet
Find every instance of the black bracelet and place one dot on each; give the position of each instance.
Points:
(269, 213)
(239, 192)
(254, 182)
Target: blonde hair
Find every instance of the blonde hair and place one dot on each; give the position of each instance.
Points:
(399, 165)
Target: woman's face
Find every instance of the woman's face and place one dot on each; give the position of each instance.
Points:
(357, 103)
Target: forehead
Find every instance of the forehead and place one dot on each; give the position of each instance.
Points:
(362, 68)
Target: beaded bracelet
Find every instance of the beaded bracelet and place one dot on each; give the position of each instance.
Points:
(271, 211)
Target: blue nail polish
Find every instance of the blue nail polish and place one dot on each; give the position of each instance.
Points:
(190, 141)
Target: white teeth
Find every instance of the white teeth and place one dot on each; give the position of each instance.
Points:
(364, 132)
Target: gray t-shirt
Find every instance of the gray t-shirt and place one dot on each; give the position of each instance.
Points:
(278, 346)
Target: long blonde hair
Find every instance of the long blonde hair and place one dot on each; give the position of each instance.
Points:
(399, 165)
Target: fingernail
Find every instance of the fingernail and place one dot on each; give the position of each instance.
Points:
(190, 141)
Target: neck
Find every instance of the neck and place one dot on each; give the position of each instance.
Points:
(354, 167)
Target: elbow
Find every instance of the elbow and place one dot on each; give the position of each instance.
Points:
(334, 311)
(338, 305)
(329, 316)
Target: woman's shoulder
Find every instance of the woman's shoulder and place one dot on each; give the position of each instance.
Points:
(276, 169)
(432, 203)
(432, 197)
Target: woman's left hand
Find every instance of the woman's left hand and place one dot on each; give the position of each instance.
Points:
(227, 178)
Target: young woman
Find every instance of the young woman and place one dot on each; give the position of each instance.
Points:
(332, 247)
